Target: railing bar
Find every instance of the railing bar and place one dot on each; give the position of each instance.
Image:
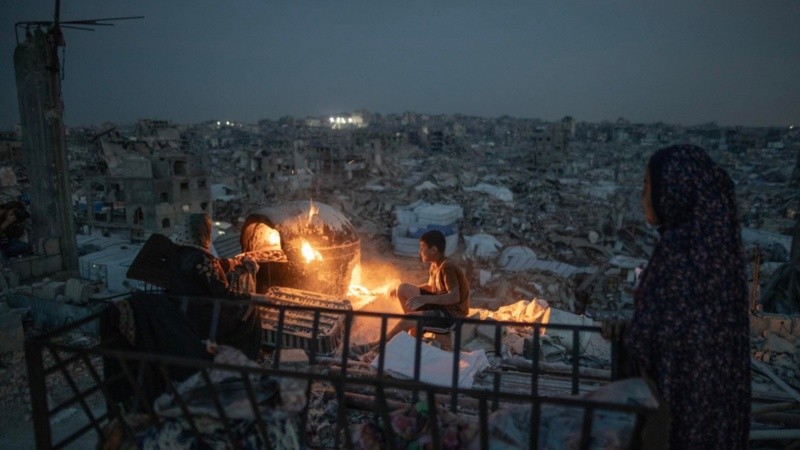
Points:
(304, 413)
(417, 357)
(535, 360)
(433, 420)
(55, 367)
(113, 406)
(636, 436)
(223, 417)
(340, 414)
(276, 356)
(483, 417)
(181, 404)
(138, 392)
(38, 392)
(586, 427)
(496, 375)
(76, 390)
(535, 419)
(314, 337)
(348, 324)
(387, 419)
(74, 436)
(382, 345)
(456, 361)
(575, 361)
(248, 387)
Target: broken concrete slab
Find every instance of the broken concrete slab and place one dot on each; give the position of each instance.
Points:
(777, 344)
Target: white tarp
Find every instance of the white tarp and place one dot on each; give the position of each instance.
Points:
(426, 186)
(424, 213)
(500, 192)
(563, 270)
(438, 214)
(407, 245)
(482, 245)
(539, 311)
(516, 258)
(436, 365)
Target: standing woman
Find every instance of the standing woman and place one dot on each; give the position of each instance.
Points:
(690, 328)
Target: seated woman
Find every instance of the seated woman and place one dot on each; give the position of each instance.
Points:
(194, 271)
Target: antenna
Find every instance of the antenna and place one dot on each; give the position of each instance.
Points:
(55, 27)
(57, 24)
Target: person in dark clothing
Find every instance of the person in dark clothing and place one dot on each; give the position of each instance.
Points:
(195, 272)
(445, 295)
(12, 228)
(152, 324)
(690, 328)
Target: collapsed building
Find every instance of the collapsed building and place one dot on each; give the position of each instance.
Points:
(147, 186)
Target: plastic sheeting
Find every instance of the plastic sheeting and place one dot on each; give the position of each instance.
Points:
(499, 192)
(482, 245)
(436, 365)
(517, 258)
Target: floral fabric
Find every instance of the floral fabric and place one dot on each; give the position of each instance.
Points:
(690, 328)
(412, 429)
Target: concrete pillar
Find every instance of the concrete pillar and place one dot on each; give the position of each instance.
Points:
(41, 113)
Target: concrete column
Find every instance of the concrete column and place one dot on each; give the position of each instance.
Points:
(41, 113)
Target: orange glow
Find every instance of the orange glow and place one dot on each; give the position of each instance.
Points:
(309, 253)
(313, 210)
(381, 281)
(273, 238)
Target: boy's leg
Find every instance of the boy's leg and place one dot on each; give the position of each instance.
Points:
(404, 292)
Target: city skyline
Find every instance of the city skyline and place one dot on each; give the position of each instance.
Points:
(733, 63)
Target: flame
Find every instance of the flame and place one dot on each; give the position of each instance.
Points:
(273, 238)
(360, 295)
(309, 253)
(313, 210)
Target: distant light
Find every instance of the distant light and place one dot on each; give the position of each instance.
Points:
(331, 120)
(218, 123)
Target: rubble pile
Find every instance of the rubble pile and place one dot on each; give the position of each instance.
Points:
(549, 221)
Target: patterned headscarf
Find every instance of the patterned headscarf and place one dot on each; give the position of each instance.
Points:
(194, 230)
(690, 328)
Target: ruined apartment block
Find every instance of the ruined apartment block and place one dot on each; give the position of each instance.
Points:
(147, 194)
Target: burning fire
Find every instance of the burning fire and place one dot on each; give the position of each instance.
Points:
(273, 238)
(360, 295)
(309, 253)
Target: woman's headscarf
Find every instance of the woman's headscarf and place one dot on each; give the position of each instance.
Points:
(194, 230)
(697, 266)
(690, 327)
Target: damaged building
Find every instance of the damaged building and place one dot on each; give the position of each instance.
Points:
(148, 183)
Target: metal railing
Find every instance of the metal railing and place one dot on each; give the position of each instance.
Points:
(68, 359)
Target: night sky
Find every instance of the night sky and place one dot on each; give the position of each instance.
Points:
(736, 62)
